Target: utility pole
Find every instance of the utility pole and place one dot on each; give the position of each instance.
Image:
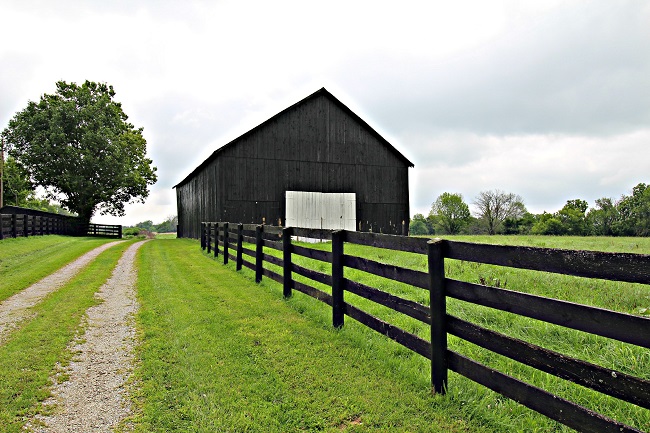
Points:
(2, 171)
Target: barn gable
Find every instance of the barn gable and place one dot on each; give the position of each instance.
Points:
(315, 145)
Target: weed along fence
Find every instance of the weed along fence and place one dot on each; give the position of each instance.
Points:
(246, 245)
(19, 222)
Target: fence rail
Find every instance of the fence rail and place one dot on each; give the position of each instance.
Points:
(36, 223)
(216, 238)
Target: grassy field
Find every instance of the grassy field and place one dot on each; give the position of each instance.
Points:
(221, 353)
(492, 409)
(24, 261)
(29, 356)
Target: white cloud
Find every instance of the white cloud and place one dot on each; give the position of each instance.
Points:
(548, 99)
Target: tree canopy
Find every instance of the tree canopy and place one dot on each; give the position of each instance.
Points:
(504, 213)
(78, 145)
(495, 206)
(16, 185)
(451, 212)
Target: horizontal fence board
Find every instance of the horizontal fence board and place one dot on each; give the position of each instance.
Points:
(275, 230)
(406, 339)
(248, 264)
(633, 268)
(248, 252)
(549, 405)
(312, 233)
(323, 256)
(404, 306)
(272, 244)
(248, 239)
(598, 321)
(250, 227)
(311, 274)
(614, 383)
(272, 259)
(272, 275)
(313, 292)
(231, 256)
(391, 242)
(392, 272)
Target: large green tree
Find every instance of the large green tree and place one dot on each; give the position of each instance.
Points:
(634, 212)
(17, 188)
(78, 145)
(451, 212)
(573, 217)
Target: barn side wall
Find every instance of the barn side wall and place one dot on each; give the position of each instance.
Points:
(316, 146)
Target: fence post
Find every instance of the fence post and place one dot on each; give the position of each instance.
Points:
(203, 236)
(119, 232)
(14, 225)
(287, 232)
(338, 306)
(216, 239)
(2, 227)
(438, 305)
(225, 243)
(240, 246)
(259, 253)
(208, 234)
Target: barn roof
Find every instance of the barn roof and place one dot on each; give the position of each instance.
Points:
(318, 93)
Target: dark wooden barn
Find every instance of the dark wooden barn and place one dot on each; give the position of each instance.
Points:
(315, 145)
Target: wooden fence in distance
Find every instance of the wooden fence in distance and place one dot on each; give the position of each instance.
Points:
(228, 240)
(38, 223)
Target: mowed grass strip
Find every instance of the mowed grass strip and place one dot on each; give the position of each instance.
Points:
(30, 354)
(221, 353)
(24, 261)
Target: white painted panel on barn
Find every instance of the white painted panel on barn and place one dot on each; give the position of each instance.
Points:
(316, 210)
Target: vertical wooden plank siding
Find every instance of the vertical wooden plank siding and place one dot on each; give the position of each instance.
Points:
(317, 145)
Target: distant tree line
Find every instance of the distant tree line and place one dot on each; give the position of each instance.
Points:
(167, 226)
(499, 212)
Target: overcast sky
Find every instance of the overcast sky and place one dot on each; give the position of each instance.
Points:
(546, 99)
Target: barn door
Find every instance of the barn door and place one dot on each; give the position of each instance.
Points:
(319, 210)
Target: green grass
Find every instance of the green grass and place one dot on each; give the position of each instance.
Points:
(593, 243)
(492, 409)
(165, 235)
(24, 261)
(220, 353)
(29, 356)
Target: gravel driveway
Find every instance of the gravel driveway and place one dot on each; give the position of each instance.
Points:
(15, 309)
(94, 399)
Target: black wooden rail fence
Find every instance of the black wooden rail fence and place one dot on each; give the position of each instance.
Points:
(228, 240)
(36, 223)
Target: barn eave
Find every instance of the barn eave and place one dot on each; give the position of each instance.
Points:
(318, 93)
